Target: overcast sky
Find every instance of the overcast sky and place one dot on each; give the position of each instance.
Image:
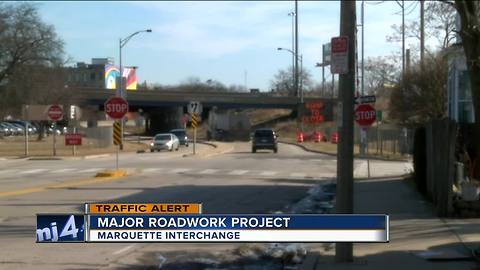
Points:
(213, 40)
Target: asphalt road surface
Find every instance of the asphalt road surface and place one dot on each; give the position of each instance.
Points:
(233, 182)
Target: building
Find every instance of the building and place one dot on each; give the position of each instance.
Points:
(101, 73)
(460, 103)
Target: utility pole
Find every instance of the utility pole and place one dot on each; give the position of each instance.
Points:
(403, 38)
(422, 32)
(344, 251)
(296, 49)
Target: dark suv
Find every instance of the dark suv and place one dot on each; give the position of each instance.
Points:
(182, 136)
(264, 138)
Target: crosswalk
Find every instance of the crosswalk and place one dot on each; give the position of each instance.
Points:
(32, 172)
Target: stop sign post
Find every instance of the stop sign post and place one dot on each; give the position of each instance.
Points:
(116, 107)
(365, 115)
(54, 113)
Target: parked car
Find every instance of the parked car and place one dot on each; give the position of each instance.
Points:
(264, 138)
(15, 130)
(167, 141)
(181, 135)
(6, 129)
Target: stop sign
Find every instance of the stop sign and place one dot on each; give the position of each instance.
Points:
(116, 107)
(54, 112)
(365, 115)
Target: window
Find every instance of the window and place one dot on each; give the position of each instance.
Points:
(465, 105)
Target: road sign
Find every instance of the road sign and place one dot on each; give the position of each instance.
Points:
(116, 107)
(73, 139)
(195, 107)
(117, 133)
(365, 115)
(55, 112)
(379, 115)
(315, 116)
(195, 120)
(365, 99)
(339, 55)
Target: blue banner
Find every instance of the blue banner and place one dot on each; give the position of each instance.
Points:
(60, 228)
(239, 222)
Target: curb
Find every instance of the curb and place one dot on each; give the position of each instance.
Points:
(332, 154)
(308, 149)
(111, 173)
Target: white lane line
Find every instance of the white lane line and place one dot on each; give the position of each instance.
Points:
(180, 170)
(122, 250)
(208, 171)
(63, 170)
(33, 171)
(297, 174)
(90, 170)
(268, 173)
(149, 170)
(238, 172)
(9, 171)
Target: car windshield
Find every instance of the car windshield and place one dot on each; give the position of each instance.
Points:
(179, 133)
(163, 137)
(263, 133)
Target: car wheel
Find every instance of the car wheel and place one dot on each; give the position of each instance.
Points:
(151, 150)
(171, 148)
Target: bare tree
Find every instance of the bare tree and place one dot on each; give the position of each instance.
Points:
(379, 72)
(421, 95)
(439, 24)
(283, 82)
(25, 39)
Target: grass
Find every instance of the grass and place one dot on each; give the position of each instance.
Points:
(15, 146)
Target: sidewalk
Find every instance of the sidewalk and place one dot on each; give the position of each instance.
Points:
(413, 227)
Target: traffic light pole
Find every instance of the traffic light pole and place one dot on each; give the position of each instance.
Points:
(344, 204)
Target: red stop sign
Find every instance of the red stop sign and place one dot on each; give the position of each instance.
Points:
(54, 112)
(116, 107)
(365, 115)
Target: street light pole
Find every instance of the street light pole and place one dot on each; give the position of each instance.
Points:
(122, 93)
(293, 43)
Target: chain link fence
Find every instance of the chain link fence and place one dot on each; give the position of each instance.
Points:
(387, 140)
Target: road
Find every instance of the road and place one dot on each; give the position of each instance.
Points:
(233, 182)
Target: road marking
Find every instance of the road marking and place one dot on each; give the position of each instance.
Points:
(180, 170)
(268, 173)
(67, 184)
(208, 171)
(238, 172)
(122, 250)
(149, 170)
(90, 170)
(297, 174)
(63, 170)
(33, 171)
(9, 171)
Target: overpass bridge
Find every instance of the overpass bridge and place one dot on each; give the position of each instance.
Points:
(163, 108)
(152, 99)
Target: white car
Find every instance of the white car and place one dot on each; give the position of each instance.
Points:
(167, 141)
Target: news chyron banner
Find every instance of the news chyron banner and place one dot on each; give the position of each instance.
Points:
(186, 223)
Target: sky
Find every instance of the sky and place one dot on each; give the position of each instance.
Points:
(213, 40)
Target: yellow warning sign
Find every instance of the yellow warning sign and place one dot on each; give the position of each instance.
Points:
(117, 133)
